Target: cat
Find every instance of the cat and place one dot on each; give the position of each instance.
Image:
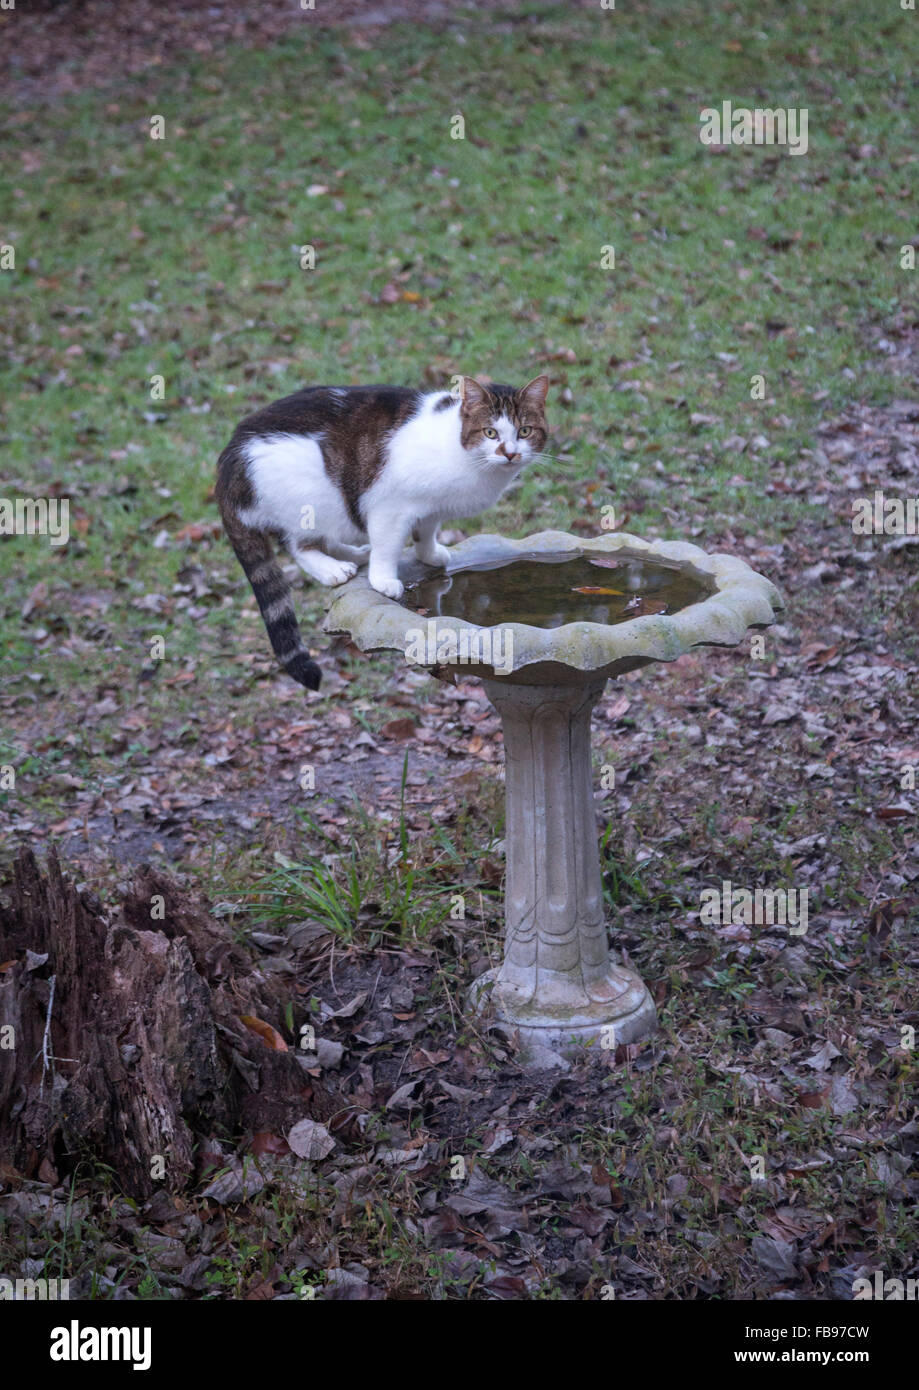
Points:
(344, 474)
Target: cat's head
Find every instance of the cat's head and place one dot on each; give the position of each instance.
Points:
(502, 427)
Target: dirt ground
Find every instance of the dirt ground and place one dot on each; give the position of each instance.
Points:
(69, 47)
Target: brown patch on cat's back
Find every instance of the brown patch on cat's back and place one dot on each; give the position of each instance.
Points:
(355, 442)
(351, 424)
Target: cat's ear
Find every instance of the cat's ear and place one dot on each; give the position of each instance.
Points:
(535, 392)
(471, 393)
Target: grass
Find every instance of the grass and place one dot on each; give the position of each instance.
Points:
(179, 258)
(372, 880)
(366, 890)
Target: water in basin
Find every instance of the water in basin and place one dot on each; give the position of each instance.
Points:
(550, 591)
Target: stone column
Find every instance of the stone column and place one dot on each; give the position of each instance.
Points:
(558, 983)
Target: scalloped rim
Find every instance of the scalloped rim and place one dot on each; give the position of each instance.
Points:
(742, 599)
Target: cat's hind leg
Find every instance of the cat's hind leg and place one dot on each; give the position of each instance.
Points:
(325, 569)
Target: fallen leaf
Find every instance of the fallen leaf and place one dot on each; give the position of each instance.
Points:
(235, 1185)
(269, 1036)
(822, 1058)
(35, 600)
(400, 729)
(779, 714)
(843, 1099)
(814, 1100)
(776, 1256)
(308, 1139)
(349, 1009)
(403, 1098)
(262, 1291)
(265, 1142)
(47, 1172)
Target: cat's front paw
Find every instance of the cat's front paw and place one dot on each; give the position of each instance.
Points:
(390, 586)
(339, 572)
(436, 555)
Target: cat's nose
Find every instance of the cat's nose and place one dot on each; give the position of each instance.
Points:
(502, 449)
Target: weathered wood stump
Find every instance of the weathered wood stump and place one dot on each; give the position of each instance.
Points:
(121, 1037)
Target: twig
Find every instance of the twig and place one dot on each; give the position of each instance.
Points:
(46, 1040)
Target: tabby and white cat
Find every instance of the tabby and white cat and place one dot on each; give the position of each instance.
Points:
(340, 474)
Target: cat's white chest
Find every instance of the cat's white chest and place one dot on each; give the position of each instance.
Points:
(428, 471)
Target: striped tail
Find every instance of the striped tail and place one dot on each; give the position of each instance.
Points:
(273, 595)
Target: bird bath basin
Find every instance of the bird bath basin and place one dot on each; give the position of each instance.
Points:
(544, 622)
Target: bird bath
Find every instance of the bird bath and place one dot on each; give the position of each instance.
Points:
(545, 622)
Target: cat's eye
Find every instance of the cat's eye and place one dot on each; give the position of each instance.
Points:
(524, 431)
(490, 433)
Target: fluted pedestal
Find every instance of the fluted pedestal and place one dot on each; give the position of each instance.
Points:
(558, 983)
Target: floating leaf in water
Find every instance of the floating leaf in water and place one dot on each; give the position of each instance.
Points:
(596, 589)
(645, 606)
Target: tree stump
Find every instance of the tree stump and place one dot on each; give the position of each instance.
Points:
(121, 1040)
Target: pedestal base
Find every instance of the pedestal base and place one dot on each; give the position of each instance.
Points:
(619, 1009)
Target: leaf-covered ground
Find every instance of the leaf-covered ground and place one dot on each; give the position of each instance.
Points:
(792, 769)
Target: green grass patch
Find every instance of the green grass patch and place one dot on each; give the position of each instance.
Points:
(180, 258)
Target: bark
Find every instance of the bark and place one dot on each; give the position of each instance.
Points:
(120, 1034)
